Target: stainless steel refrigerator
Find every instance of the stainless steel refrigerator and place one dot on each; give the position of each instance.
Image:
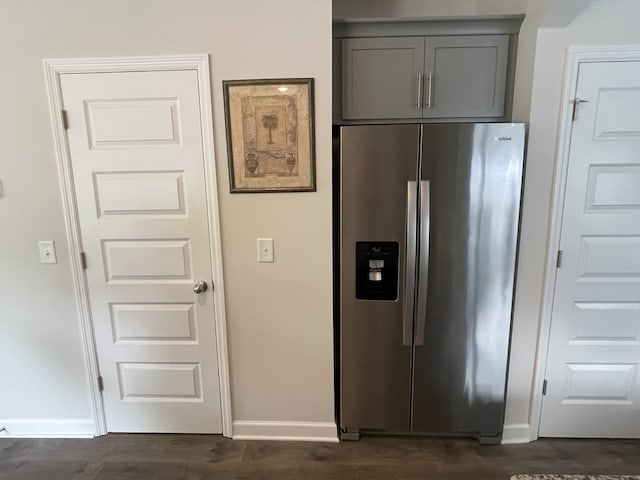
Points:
(429, 219)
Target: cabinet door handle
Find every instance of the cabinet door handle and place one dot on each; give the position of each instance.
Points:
(419, 99)
(430, 90)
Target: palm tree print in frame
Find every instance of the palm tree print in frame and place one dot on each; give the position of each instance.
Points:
(270, 137)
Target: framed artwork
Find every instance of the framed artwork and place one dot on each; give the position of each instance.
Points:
(270, 135)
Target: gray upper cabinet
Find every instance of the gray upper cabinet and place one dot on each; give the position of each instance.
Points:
(380, 77)
(465, 76)
(447, 77)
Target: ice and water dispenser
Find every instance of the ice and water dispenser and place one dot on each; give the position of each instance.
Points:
(377, 270)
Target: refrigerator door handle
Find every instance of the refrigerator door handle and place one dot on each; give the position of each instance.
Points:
(410, 264)
(423, 274)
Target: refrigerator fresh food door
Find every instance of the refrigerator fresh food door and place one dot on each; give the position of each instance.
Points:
(379, 169)
(470, 201)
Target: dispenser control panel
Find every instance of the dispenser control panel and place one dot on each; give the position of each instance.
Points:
(377, 270)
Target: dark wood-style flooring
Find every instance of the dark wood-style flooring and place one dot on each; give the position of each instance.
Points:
(196, 457)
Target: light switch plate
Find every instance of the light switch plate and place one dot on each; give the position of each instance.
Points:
(47, 251)
(265, 250)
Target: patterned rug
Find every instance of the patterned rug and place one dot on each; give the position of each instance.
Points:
(547, 476)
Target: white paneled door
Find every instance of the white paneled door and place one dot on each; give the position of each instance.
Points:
(136, 151)
(593, 363)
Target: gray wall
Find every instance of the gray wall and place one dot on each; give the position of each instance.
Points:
(279, 315)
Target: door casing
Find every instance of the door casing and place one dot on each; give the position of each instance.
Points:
(575, 56)
(54, 68)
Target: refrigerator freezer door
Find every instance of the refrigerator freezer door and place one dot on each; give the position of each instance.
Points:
(460, 363)
(378, 166)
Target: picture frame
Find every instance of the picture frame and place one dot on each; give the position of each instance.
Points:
(270, 135)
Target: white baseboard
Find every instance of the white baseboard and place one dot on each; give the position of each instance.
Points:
(48, 428)
(516, 433)
(299, 431)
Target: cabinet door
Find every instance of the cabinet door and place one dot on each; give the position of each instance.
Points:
(380, 77)
(465, 76)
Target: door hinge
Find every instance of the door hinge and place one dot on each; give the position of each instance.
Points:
(577, 101)
(544, 387)
(559, 259)
(65, 119)
(83, 260)
(100, 384)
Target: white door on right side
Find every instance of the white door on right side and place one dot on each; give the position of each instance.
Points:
(593, 362)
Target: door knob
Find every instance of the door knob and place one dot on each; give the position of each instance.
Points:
(200, 286)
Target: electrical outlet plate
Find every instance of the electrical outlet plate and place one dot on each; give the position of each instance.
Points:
(265, 250)
(47, 251)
